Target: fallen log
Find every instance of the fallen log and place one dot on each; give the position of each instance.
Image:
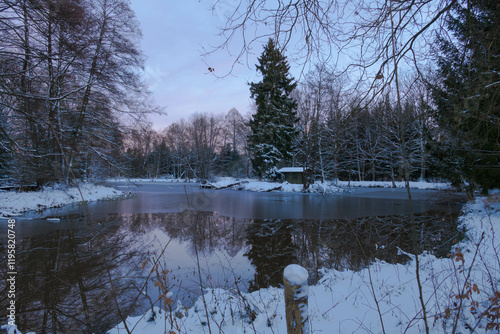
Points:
(228, 186)
(273, 189)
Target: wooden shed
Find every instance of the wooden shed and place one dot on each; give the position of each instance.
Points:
(296, 175)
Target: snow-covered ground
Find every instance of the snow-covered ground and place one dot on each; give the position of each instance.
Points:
(319, 187)
(462, 291)
(388, 184)
(13, 203)
(328, 187)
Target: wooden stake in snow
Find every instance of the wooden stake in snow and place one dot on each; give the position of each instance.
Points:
(296, 295)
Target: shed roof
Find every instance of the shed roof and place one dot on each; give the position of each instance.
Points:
(291, 170)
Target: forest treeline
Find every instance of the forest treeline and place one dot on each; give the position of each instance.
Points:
(72, 104)
(337, 138)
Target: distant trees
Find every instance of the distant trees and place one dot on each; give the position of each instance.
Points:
(343, 139)
(69, 74)
(205, 134)
(140, 143)
(322, 109)
(273, 125)
(202, 147)
(337, 138)
(467, 94)
(236, 130)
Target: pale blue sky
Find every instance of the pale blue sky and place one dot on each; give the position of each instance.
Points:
(174, 34)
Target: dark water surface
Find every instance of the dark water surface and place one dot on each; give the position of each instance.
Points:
(75, 274)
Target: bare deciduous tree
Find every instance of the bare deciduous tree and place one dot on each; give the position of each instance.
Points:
(68, 77)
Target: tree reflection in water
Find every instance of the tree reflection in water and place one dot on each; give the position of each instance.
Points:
(343, 243)
(271, 249)
(63, 283)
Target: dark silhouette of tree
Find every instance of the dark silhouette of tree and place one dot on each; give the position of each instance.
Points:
(468, 94)
(69, 76)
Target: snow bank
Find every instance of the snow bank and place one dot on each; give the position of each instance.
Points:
(13, 203)
(388, 184)
(263, 186)
(327, 187)
(382, 297)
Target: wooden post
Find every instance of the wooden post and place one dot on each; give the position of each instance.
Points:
(296, 295)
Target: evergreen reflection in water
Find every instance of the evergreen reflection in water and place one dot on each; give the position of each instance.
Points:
(343, 243)
(71, 281)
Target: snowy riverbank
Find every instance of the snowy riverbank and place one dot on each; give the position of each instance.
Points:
(14, 203)
(381, 298)
(328, 187)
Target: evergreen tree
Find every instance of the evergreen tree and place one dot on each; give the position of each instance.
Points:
(273, 126)
(468, 96)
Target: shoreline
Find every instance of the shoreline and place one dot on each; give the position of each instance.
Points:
(319, 187)
(14, 203)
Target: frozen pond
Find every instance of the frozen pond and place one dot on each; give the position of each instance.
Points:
(94, 257)
(174, 197)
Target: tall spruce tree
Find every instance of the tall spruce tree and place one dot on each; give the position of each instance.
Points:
(273, 126)
(468, 95)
